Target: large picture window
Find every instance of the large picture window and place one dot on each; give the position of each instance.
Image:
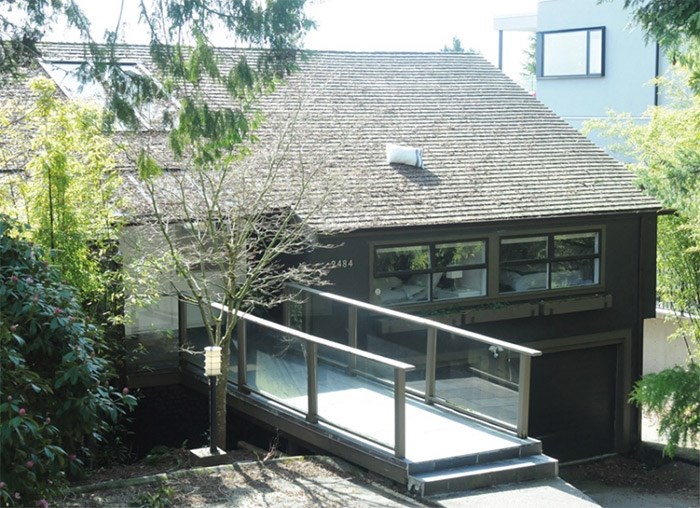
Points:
(571, 53)
(429, 272)
(553, 261)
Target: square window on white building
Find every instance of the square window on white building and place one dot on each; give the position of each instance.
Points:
(571, 53)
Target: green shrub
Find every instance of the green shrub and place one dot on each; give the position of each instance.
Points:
(55, 394)
(673, 396)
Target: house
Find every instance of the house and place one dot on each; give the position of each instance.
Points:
(513, 225)
(591, 58)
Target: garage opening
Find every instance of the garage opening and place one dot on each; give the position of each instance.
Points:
(573, 402)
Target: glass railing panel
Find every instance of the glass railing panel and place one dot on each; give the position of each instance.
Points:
(197, 337)
(351, 395)
(396, 339)
(276, 366)
(478, 378)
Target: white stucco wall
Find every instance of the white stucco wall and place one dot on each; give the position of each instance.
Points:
(630, 62)
(659, 353)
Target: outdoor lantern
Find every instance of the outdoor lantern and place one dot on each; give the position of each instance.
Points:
(212, 361)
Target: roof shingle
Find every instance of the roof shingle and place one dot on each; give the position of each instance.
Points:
(491, 151)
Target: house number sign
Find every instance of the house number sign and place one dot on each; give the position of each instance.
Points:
(341, 263)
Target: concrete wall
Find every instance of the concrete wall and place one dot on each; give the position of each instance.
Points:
(659, 353)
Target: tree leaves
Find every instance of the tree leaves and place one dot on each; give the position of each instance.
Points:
(673, 396)
(50, 361)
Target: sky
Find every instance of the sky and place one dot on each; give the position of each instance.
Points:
(371, 25)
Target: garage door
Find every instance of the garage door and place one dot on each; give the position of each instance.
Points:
(572, 402)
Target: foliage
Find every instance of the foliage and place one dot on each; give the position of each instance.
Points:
(673, 396)
(225, 250)
(185, 61)
(667, 21)
(232, 232)
(675, 25)
(455, 48)
(666, 149)
(161, 498)
(530, 64)
(67, 192)
(55, 393)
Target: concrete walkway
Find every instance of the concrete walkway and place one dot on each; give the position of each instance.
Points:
(553, 493)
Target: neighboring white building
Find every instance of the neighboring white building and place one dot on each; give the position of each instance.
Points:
(591, 58)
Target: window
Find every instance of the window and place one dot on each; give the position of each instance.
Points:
(132, 79)
(429, 272)
(553, 261)
(571, 53)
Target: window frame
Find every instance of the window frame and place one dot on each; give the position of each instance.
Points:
(432, 268)
(144, 120)
(541, 50)
(551, 259)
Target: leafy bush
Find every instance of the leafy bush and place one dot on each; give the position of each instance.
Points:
(673, 395)
(55, 394)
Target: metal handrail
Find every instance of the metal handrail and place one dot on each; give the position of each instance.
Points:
(516, 348)
(400, 368)
(525, 353)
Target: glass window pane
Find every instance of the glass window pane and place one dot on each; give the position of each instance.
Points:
(595, 52)
(575, 273)
(459, 284)
(401, 290)
(523, 249)
(576, 244)
(65, 75)
(565, 53)
(461, 253)
(401, 259)
(526, 277)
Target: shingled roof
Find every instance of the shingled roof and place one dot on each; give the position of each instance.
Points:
(492, 152)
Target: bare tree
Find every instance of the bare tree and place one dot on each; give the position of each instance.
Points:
(227, 230)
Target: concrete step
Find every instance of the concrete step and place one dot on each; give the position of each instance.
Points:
(527, 448)
(533, 467)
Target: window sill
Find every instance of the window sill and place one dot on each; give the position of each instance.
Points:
(500, 312)
(571, 76)
(576, 304)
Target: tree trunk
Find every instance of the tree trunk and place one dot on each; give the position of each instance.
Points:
(221, 389)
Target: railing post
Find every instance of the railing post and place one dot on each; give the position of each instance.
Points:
(524, 395)
(181, 321)
(312, 381)
(352, 337)
(399, 413)
(430, 365)
(242, 332)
